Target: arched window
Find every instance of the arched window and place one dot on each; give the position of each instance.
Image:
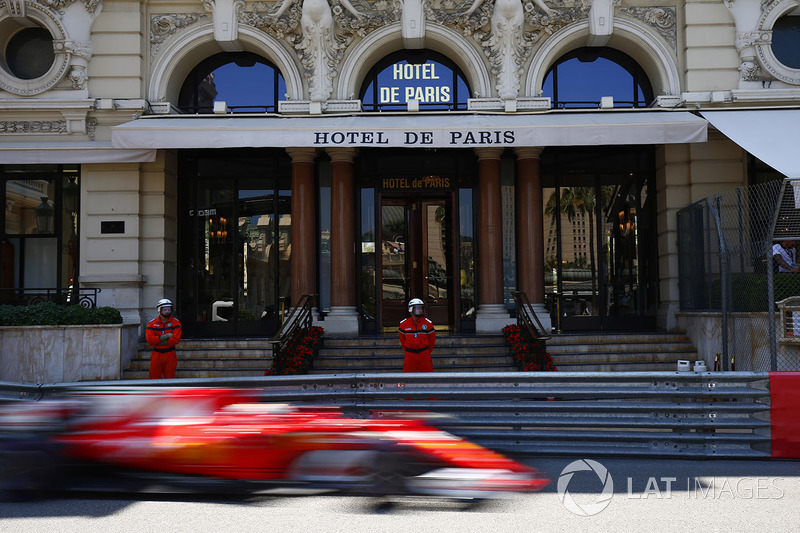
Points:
(427, 77)
(246, 82)
(582, 77)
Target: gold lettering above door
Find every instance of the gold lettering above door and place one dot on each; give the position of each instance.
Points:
(425, 182)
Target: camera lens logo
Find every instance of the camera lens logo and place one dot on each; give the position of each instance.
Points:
(600, 502)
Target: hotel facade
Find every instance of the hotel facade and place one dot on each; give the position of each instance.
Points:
(451, 151)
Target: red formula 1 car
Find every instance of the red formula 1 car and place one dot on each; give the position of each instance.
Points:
(228, 435)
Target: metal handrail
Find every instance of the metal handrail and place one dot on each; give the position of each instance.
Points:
(299, 319)
(83, 296)
(526, 318)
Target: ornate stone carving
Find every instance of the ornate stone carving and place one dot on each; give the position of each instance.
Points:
(225, 15)
(506, 45)
(33, 127)
(320, 47)
(78, 77)
(162, 27)
(278, 19)
(752, 38)
(750, 71)
(549, 23)
(16, 8)
(283, 17)
(90, 5)
(663, 19)
(91, 126)
(80, 48)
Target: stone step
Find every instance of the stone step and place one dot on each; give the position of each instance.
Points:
(622, 357)
(391, 340)
(621, 348)
(367, 370)
(619, 338)
(396, 361)
(450, 351)
(199, 373)
(631, 366)
(218, 353)
(207, 362)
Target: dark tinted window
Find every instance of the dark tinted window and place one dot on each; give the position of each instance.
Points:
(246, 82)
(29, 53)
(582, 77)
(786, 41)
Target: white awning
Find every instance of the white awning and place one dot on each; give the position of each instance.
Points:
(414, 131)
(772, 135)
(53, 153)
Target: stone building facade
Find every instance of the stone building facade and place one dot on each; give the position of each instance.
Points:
(236, 214)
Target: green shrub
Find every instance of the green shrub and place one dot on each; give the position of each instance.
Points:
(50, 314)
(749, 291)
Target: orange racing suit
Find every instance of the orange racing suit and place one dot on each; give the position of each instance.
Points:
(417, 338)
(164, 359)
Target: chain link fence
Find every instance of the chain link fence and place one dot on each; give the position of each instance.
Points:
(726, 246)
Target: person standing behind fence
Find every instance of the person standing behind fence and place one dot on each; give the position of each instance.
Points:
(417, 338)
(163, 333)
(783, 254)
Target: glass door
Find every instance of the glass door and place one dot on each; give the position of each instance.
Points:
(235, 250)
(416, 260)
(600, 252)
(437, 262)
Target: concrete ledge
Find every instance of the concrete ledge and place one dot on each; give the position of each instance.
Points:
(53, 354)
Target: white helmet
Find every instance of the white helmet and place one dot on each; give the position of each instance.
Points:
(163, 302)
(413, 302)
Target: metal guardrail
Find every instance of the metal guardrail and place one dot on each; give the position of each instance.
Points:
(675, 414)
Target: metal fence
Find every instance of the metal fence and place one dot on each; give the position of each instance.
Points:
(677, 414)
(725, 264)
(85, 297)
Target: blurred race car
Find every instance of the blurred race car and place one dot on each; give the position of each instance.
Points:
(200, 436)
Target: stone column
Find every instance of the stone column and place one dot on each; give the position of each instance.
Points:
(304, 224)
(343, 316)
(530, 231)
(492, 315)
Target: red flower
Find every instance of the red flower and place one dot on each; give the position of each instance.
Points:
(299, 353)
(529, 353)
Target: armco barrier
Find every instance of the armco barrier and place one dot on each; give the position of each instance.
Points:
(686, 414)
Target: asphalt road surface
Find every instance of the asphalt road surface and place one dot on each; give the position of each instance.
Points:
(619, 494)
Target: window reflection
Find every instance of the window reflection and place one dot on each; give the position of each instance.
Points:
(368, 251)
(246, 82)
(786, 40)
(580, 78)
(394, 270)
(466, 253)
(437, 251)
(40, 226)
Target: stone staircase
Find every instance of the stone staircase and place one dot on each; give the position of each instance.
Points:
(580, 352)
(453, 353)
(210, 358)
(620, 352)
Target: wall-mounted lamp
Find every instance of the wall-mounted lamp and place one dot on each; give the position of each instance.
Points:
(45, 216)
(70, 192)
